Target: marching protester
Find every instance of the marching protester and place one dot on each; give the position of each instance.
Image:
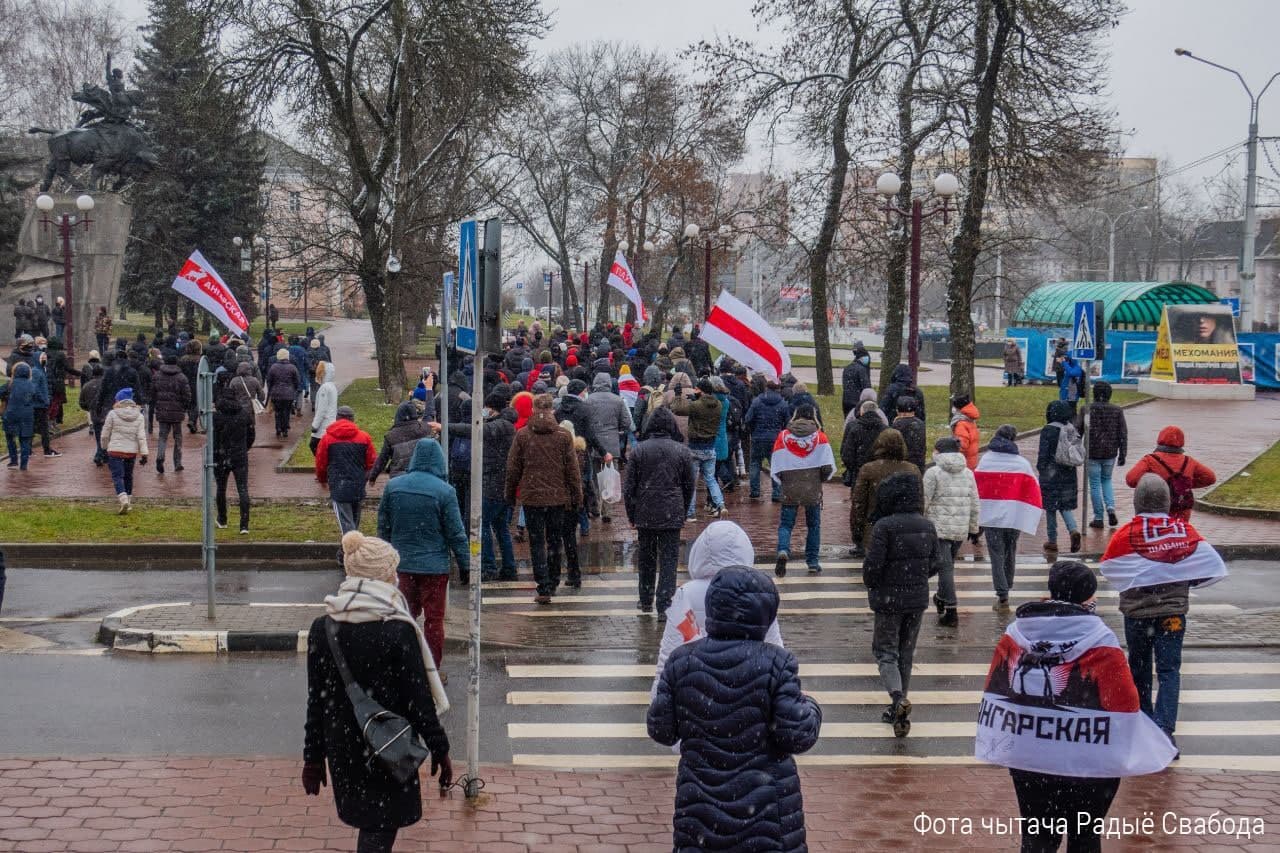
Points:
(343, 459)
(912, 429)
(765, 418)
(733, 702)
(951, 504)
(964, 426)
(855, 378)
(1154, 561)
(721, 545)
(859, 435)
(1061, 452)
(1171, 463)
(124, 438)
(324, 405)
(801, 462)
(888, 456)
(283, 383)
(544, 479)
(495, 512)
(1009, 503)
(233, 435)
(102, 329)
(611, 426)
(1057, 677)
(657, 486)
(704, 411)
(1108, 446)
(399, 442)
(367, 638)
(171, 400)
(419, 516)
(903, 552)
(21, 396)
(902, 383)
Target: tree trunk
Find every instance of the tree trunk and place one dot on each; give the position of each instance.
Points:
(968, 241)
(826, 237)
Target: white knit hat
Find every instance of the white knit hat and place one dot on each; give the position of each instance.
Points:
(369, 557)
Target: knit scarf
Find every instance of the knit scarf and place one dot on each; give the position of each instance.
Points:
(366, 600)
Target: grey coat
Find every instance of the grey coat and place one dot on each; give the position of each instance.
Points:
(610, 417)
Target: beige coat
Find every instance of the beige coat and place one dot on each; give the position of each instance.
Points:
(125, 430)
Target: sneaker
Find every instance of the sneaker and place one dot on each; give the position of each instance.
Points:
(949, 618)
(886, 716)
(123, 500)
(177, 468)
(542, 599)
(780, 566)
(244, 531)
(1001, 605)
(901, 711)
(1111, 518)
(662, 616)
(644, 609)
(717, 512)
(1075, 541)
(12, 465)
(815, 569)
(940, 604)
(159, 467)
(52, 453)
(221, 525)
(1096, 524)
(691, 517)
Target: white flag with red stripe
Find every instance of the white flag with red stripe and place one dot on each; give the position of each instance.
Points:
(745, 336)
(793, 452)
(1008, 492)
(628, 388)
(1153, 549)
(621, 280)
(200, 282)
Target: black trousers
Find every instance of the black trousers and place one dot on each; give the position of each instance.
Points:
(659, 551)
(545, 524)
(42, 428)
(241, 473)
(282, 410)
(1053, 799)
(567, 542)
(375, 840)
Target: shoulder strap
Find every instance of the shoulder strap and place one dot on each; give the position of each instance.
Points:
(340, 660)
(1165, 465)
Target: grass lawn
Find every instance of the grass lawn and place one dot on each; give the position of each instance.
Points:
(372, 415)
(145, 323)
(56, 520)
(72, 415)
(1256, 487)
(1023, 407)
(834, 346)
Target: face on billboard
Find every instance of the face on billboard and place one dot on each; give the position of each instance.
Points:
(1203, 344)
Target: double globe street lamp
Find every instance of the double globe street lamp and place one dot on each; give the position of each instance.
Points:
(65, 222)
(945, 186)
(259, 245)
(691, 232)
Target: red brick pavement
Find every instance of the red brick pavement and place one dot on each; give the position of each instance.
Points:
(253, 803)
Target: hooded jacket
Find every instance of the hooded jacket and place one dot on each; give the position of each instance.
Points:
(499, 434)
(233, 433)
(609, 415)
(913, 434)
(124, 433)
(542, 467)
(734, 703)
(658, 482)
(1170, 456)
(888, 456)
(325, 401)
(904, 551)
(22, 397)
(400, 441)
(721, 545)
(574, 409)
(766, 417)
(901, 383)
(951, 497)
(343, 458)
(853, 380)
(1058, 484)
(245, 385)
(171, 394)
(803, 486)
(964, 426)
(703, 414)
(283, 382)
(419, 515)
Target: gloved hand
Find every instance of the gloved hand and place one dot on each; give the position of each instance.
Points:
(974, 537)
(142, 461)
(313, 776)
(442, 764)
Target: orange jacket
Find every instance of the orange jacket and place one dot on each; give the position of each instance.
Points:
(966, 430)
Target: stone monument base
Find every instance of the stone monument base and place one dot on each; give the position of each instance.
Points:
(1190, 391)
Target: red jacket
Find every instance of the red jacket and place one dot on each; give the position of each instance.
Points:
(1201, 475)
(344, 458)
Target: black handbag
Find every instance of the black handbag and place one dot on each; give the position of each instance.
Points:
(390, 737)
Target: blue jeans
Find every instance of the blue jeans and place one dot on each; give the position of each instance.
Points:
(19, 447)
(761, 449)
(495, 516)
(813, 531)
(121, 474)
(1051, 522)
(1160, 638)
(1100, 492)
(704, 464)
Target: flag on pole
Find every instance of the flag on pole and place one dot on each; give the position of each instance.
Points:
(1155, 549)
(745, 336)
(200, 282)
(621, 280)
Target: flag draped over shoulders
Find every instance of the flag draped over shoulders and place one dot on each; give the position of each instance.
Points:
(1155, 549)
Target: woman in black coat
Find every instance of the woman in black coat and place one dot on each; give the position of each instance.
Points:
(383, 649)
(1058, 485)
(733, 703)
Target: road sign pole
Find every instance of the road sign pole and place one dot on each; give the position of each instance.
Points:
(208, 550)
(442, 409)
(1084, 433)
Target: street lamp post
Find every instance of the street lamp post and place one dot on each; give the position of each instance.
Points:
(1112, 222)
(260, 245)
(1248, 275)
(945, 186)
(691, 232)
(64, 223)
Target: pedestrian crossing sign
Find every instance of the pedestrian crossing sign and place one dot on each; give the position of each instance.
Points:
(465, 305)
(1084, 334)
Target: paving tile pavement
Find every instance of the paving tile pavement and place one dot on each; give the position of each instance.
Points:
(175, 803)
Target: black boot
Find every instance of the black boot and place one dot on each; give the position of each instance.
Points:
(949, 618)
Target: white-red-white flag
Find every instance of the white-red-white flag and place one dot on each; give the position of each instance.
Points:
(621, 280)
(745, 336)
(1154, 549)
(793, 452)
(200, 282)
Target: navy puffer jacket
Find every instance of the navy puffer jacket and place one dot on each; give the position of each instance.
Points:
(734, 704)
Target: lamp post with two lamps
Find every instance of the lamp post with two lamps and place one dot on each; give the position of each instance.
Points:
(691, 232)
(259, 245)
(1112, 222)
(945, 186)
(64, 223)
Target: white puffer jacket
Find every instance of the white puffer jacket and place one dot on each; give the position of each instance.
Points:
(951, 497)
(125, 430)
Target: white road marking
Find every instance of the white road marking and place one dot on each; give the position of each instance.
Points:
(853, 670)
(790, 611)
(858, 697)
(1259, 763)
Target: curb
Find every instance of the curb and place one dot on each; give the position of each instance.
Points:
(1239, 511)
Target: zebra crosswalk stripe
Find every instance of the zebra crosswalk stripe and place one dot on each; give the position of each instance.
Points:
(806, 595)
(606, 698)
(1250, 763)
(789, 611)
(851, 670)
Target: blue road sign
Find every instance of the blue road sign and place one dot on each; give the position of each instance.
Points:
(546, 280)
(466, 305)
(519, 285)
(1084, 332)
(1233, 302)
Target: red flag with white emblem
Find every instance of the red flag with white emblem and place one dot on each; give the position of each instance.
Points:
(200, 282)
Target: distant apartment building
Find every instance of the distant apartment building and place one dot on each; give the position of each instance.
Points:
(1212, 259)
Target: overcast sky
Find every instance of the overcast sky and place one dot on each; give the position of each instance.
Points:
(1174, 107)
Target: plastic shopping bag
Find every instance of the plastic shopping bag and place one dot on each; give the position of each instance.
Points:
(610, 483)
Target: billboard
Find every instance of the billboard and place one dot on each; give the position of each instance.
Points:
(1196, 344)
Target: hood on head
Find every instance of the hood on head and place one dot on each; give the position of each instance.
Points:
(227, 404)
(901, 374)
(970, 411)
(1172, 436)
(602, 382)
(244, 368)
(652, 375)
(802, 427)
(900, 492)
(868, 394)
(428, 457)
(889, 444)
(721, 545)
(662, 422)
(543, 422)
(952, 463)
(1151, 495)
(741, 604)
(406, 412)
(1058, 412)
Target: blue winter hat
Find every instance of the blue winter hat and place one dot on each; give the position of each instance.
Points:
(124, 394)
(420, 393)
(631, 352)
